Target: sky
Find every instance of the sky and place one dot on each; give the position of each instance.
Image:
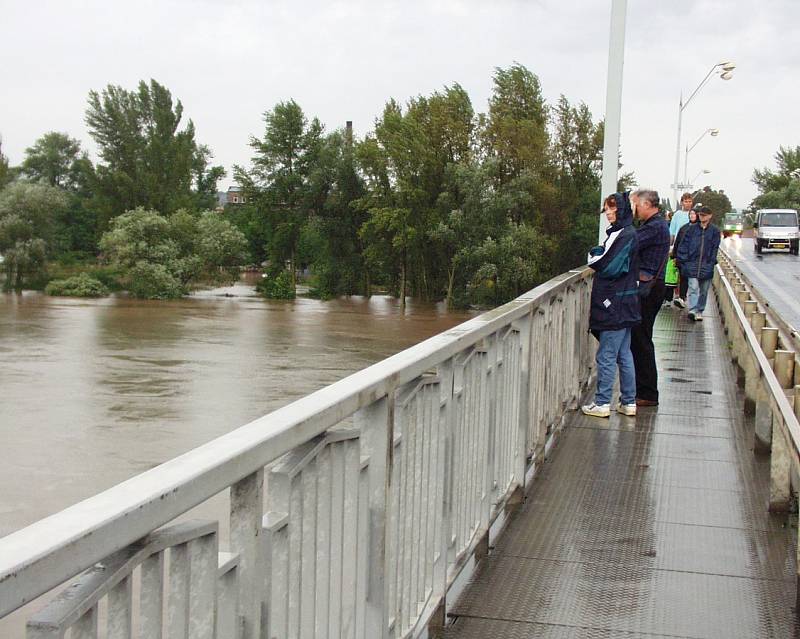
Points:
(230, 61)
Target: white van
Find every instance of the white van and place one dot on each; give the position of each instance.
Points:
(776, 229)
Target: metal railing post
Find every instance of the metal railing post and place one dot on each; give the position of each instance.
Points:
(376, 423)
(247, 504)
(779, 470)
(784, 368)
(769, 341)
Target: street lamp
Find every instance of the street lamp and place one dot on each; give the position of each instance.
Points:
(725, 71)
(703, 172)
(714, 133)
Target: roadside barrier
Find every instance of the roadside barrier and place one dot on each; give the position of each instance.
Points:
(763, 346)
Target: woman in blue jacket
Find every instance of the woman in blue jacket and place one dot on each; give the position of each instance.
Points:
(697, 255)
(615, 308)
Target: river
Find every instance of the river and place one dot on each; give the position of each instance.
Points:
(95, 391)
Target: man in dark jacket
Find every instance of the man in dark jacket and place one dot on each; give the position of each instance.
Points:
(697, 255)
(615, 308)
(653, 236)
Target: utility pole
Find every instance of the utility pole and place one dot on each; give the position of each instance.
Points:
(616, 56)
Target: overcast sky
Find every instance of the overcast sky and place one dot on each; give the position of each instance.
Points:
(228, 62)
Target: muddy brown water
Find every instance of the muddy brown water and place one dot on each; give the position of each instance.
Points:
(93, 392)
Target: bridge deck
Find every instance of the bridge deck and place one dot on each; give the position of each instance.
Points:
(653, 526)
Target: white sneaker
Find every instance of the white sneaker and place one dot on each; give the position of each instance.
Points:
(698, 317)
(627, 409)
(679, 302)
(597, 410)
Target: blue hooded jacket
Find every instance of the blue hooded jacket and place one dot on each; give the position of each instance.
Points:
(697, 252)
(615, 291)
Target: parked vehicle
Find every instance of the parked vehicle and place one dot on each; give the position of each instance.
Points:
(732, 224)
(776, 229)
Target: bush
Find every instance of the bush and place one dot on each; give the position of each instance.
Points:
(278, 287)
(153, 282)
(83, 285)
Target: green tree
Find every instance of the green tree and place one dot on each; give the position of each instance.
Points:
(779, 189)
(405, 164)
(54, 159)
(5, 174)
(28, 230)
(279, 180)
(717, 201)
(161, 256)
(149, 161)
(577, 151)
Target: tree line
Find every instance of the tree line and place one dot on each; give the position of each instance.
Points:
(437, 201)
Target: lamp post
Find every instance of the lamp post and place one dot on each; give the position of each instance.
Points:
(703, 172)
(725, 71)
(616, 57)
(714, 133)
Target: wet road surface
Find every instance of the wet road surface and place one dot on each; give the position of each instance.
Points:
(774, 273)
(649, 526)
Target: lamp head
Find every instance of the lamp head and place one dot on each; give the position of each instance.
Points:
(726, 75)
(714, 132)
(727, 66)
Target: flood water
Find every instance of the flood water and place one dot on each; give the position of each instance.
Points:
(95, 391)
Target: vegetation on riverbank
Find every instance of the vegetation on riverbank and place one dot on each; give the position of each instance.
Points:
(438, 201)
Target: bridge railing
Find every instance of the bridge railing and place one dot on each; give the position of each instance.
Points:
(763, 346)
(350, 511)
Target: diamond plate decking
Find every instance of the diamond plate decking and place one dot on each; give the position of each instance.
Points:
(654, 526)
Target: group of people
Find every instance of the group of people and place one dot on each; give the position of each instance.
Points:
(629, 289)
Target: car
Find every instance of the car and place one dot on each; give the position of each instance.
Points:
(776, 229)
(732, 224)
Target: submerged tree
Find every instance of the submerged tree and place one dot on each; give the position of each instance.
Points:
(28, 230)
(279, 179)
(160, 256)
(149, 159)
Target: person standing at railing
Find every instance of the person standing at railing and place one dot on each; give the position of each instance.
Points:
(697, 255)
(684, 281)
(615, 308)
(678, 221)
(653, 236)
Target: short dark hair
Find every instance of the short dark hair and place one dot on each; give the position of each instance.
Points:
(611, 200)
(686, 196)
(704, 209)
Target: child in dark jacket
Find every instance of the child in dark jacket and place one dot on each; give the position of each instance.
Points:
(697, 255)
(615, 308)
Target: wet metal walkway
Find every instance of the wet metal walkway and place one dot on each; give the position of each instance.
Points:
(648, 527)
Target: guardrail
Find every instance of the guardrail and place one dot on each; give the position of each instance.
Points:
(769, 374)
(351, 511)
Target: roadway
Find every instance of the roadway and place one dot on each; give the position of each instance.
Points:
(775, 274)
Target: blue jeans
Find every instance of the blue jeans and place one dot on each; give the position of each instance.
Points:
(698, 294)
(615, 350)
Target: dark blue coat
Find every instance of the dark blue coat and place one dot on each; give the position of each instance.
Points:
(697, 252)
(615, 298)
(653, 237)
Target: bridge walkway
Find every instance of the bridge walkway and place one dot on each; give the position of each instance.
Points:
(647, 527)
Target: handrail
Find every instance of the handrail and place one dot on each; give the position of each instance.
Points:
(47, 553)
(768, 374)
(776, 405)
(789, 331)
